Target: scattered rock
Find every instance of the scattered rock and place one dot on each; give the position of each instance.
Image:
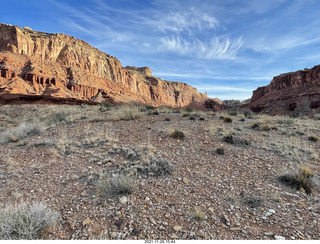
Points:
(113, 234)
(235, 229)
(186, 180)
(281, 238)
(177, 228)
(86, 221)
(152, 220)
(174, 236)
(123, 200)
(270, 212)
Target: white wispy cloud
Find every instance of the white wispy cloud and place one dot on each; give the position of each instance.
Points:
(87, 21)
(282, 43)
(216, 48)
(189, 21)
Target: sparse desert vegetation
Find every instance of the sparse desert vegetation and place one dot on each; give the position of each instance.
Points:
(117, 172)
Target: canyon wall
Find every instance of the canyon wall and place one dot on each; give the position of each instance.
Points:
(296, 93)
(62, 67)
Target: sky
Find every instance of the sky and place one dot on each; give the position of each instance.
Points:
(226, 48)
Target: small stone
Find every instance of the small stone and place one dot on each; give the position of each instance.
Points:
(84, 193)
(211, 209)
(162, 228)
(147, 199)
(202, 234)
(114, 234)
(152, 220)
(186, 180)
(123, 200)
(235, 228)
(177, 228)
(86, 221)
(268, 234)
(174, 236)
(281, 238)
(270, 212)
(109, 164)
(184, 236)
(167, 215)
(192, 233)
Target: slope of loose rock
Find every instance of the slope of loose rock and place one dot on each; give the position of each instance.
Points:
(236, 195)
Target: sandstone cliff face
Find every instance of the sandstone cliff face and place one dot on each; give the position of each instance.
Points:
(294, 93)
(61, 66)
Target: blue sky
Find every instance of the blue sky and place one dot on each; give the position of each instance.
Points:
(226, 48)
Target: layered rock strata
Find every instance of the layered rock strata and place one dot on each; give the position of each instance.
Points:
(57, 66)
(296, 93)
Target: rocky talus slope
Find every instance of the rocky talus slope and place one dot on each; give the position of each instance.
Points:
(296, 93)
(42, 67)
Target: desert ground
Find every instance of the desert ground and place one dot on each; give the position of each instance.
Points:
(138, 172)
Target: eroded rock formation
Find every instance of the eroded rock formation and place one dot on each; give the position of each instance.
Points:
(296, 93)
(62, 67)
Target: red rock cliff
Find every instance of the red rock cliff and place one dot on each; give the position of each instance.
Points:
(294, 93)
(60, 66)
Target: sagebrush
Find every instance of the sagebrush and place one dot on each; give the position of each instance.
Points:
(25, 221)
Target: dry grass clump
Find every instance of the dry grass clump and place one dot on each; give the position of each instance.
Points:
(160, 167)
(253, 201)
(302, 179)
(220, 151)
(199, 214)
(126, 112)
(177, 134)
(116, 186)
(262, 126)
(56, 118)
(285, 121)
(234, 139)
(292, 148)
(227, 120)
(185, 114)
(21, 132)
(25, 222)
(313, 138)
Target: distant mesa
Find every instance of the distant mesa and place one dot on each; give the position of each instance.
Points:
(293, 94)
(39, 67)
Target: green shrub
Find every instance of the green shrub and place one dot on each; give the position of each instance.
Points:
(25, 222)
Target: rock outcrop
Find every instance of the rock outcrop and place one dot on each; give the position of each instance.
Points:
(296, 93)
(56, 66)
